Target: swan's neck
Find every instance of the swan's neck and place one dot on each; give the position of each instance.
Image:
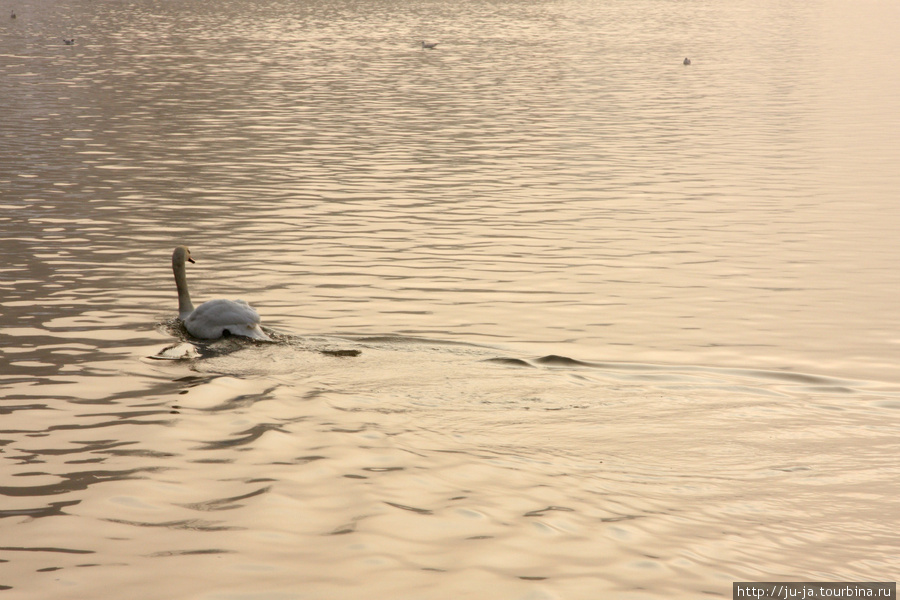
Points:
(185, 306)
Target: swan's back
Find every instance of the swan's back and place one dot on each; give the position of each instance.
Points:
(212, 319)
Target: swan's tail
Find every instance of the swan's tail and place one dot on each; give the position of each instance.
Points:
(250, 330)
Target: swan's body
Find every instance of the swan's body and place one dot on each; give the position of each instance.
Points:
(429, 46)
(69, 42)
(213, 318)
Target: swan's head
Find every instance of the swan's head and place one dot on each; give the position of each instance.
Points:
(181, 255)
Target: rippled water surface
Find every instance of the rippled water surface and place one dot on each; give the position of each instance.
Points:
(556, 316)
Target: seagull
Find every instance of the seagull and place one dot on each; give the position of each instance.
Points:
(428, 46)
(69, 42)
(687, 61)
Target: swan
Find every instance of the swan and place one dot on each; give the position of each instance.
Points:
(687, 61)
(213, 318)
(69, 42)
(429, 46)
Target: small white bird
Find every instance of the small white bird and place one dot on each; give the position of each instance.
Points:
(429, 46)
(70, 42)
(687, 61)
(214, 318)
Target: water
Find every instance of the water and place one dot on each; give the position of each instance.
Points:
(625, 328)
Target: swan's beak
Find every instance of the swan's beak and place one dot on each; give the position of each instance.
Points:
(190, 260)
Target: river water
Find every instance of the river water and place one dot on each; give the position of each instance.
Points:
(556, 316)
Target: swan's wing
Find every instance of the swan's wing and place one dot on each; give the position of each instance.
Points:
(231, 311)
(212, 318)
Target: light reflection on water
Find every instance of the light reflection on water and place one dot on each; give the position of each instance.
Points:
(703, 257)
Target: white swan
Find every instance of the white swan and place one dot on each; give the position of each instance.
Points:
(429, 46)
(213, 318)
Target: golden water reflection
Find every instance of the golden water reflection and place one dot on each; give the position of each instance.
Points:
(626, 328)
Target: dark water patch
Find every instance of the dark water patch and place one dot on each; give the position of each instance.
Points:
(618, 519)
(86, 447)
(236, 402)
(421, 511)
(168, 553)
(8, 410)
(343, 530)
(247, 437)
(51, 510)
(88, 426)
(541, 512)
(44, 549)
(341, 353)
(313, 394)
(792, 468)
(345, 430)
(555, 360)
(139, 453)
(77, 481)
(302, 460)
(384, 411)
(183, 524)
(510, 362)
(195, 380)
(131, 414)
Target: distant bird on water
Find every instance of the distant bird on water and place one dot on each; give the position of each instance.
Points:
(687, 61)
(428, 46)
(12, 15)
(70, 42)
